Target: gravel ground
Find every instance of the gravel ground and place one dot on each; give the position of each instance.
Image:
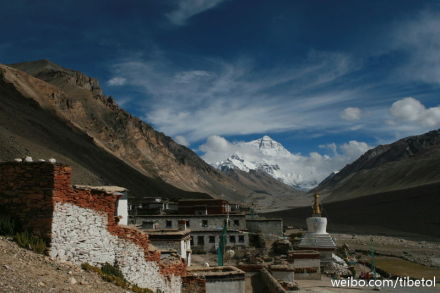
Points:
(22, 270)
(422, 252)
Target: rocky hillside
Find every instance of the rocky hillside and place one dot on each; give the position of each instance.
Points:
(26, 128)
(268, 193)
(24, 271)
(407, 163)
(50, 111)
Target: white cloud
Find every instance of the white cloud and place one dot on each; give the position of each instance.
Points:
(116, 81)
(188, 8)
(181, 140)
(414, 114)
(419, 37)
(351, 114)
(219, 98)
(305, 169)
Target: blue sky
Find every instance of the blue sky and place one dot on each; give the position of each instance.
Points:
(314, 75)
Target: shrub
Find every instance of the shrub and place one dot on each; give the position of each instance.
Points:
(108, 269)
(31, 242)
(114, 275)
(7, 225)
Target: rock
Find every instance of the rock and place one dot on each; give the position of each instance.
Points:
(41, 284)
(72, 281)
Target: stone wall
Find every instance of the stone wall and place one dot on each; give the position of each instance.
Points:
(271, 228)
(271, 283)
(193, 284)
(81, 226)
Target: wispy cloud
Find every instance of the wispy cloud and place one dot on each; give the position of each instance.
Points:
(419, 39)
(351, 113)
(116, 81)
(187, 8)
(221, 98)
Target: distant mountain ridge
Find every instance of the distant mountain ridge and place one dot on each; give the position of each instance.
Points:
(409, 162)
(392, 189)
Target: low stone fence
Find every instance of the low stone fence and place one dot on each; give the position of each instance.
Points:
(271, 283)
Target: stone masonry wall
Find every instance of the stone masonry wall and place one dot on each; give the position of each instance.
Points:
(81, 225)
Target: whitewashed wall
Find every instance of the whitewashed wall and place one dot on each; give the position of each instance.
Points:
(80, 235)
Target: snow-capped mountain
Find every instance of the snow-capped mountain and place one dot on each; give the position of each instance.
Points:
(269, 156)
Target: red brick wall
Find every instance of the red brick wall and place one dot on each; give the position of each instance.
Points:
(193, 284)
(29, 192)
(26, 191)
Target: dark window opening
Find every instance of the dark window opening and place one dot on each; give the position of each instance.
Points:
(169, 224)
(237, 222)
(232, 238)
(200, 240)
(211, 239)
(187, 223)
(204, 223)
(241, 238)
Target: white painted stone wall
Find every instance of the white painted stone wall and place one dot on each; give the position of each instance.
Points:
(80, 235)
(122, 209)
(229, 286)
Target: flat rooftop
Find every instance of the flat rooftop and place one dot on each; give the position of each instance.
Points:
(221, 271)
(106, 189)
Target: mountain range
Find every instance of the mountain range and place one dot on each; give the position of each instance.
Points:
(392, 189)
(50, 111)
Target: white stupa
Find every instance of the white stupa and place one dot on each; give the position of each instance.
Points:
(316, 237)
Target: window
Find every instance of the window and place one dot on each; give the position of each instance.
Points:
(204, 223)
(241, 238)
(211, 239)
(187, 223)
(147, 224)
(232, 239)
(169, 223)
(236, 222)
(200, 240)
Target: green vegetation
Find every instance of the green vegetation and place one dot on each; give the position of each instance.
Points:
(30, 241)
(9, 227)
(114, 275)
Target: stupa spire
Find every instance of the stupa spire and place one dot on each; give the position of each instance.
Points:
(316, 207)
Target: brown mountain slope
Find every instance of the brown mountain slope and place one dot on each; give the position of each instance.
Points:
(77, 100)
(392, 189)
(410, 162)
(28, 129)
(268, 194)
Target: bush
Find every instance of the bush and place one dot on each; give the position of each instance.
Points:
(114, 275)
(7, 225)
(31, 242)
(108, 269)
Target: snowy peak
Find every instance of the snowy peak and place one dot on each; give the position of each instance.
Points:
(268, 146)
(266, 155)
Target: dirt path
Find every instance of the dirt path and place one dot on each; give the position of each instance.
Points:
(24, 271)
